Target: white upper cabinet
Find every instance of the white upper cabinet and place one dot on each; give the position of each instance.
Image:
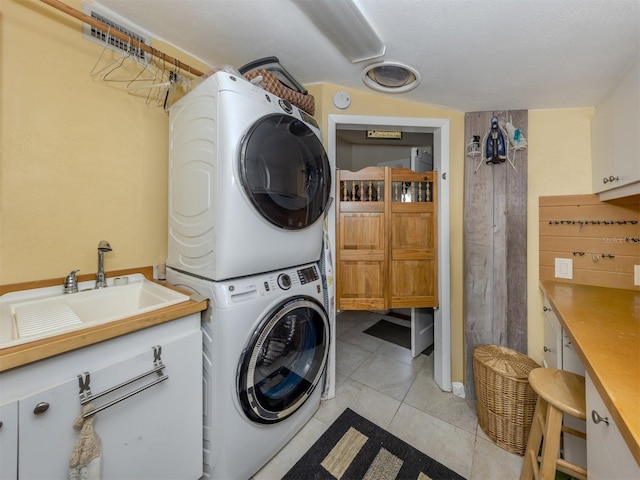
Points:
(615, 139)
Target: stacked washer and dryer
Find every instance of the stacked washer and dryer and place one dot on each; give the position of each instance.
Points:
(249, 182)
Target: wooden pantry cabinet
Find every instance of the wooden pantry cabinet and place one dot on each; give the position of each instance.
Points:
(386, 233)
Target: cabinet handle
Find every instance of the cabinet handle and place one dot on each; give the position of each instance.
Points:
(0, 423)
(595, 416)
(611, 179)
(41, 408)
(546, 309)
(546, 349)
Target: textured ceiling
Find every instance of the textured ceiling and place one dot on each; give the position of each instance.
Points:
(473, 55)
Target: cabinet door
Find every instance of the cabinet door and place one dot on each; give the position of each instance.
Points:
(387, 239)
(361, 265)
(413, 239)
(552, 338)
(9, 440)
(154, 434)
(607, 453)
(46, 434)
(614, 134)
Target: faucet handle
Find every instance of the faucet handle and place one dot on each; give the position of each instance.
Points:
(71, 282)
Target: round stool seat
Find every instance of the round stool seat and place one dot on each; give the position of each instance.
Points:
(564, 390)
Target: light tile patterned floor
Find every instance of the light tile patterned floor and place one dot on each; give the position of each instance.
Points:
(381, 382)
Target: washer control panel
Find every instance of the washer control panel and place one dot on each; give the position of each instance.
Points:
(308, 274)
(284, 281)
(291, 278)
(285, 105)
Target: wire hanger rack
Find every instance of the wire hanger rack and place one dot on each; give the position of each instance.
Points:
(122, 36)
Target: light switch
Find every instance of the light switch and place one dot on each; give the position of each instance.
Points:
(564, 268)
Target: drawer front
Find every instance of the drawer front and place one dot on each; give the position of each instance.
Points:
(607, 453)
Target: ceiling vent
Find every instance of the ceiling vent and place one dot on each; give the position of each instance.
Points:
(115, 22)
(390, 77)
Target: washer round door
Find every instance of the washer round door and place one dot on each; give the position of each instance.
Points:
(285, 172)
(284, 360)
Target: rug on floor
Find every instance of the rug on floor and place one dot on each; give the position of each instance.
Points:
(394, 333)
(353, 448)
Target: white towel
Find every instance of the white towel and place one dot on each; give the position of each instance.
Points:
(86, 458)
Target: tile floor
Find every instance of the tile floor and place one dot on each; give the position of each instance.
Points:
(381, 382)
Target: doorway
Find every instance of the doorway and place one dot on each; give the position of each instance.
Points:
(438, 128)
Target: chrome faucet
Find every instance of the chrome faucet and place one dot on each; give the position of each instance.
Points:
(71, 283)
(101, 278)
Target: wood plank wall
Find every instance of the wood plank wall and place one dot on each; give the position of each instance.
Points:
(588, 231)
(495, 245)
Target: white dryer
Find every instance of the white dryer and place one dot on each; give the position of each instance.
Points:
(249, 181)
(266, 341)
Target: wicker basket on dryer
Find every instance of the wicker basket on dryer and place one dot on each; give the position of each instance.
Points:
(271, 83)
(505, 400)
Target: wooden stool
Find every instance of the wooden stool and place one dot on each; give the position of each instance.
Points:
(558, 392)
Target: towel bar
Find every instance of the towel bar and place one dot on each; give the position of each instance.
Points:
(85, 390)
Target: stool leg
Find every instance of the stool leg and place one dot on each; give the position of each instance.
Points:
(530, 463)
(551, 443)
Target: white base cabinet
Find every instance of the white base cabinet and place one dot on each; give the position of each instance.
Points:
(608, 456)
(153, 434)
(552, 338)
(9, 440)
(559, 354)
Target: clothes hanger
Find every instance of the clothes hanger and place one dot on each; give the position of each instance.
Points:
(119, 64)
(147, 66)
(107, 41)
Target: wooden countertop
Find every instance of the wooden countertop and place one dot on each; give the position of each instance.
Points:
(604, 327)
(22, 354)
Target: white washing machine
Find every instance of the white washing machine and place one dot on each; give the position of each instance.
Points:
(266, 341)
(249, 181)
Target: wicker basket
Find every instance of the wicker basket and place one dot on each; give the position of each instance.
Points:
(505, 400)
(271, 84)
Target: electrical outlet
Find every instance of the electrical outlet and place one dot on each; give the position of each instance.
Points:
(564, 268)
(636, 275)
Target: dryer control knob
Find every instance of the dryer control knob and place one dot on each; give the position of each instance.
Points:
(284, 281)
(285, 105)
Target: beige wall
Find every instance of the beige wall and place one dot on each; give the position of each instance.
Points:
(82, 160)
(559, 164)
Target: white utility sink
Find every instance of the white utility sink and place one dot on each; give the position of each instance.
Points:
(33, 314)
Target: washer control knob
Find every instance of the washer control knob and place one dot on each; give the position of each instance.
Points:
(284, 281)
(285, 105)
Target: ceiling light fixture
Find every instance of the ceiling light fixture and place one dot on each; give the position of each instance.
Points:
(390, 77)
(346, 26)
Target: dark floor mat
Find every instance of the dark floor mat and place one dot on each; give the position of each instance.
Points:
(394, 333)
(355, 448)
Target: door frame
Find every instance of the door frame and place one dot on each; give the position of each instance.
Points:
(439, 127)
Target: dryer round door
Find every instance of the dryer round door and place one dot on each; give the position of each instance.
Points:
(284, 171)
(284, 360)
